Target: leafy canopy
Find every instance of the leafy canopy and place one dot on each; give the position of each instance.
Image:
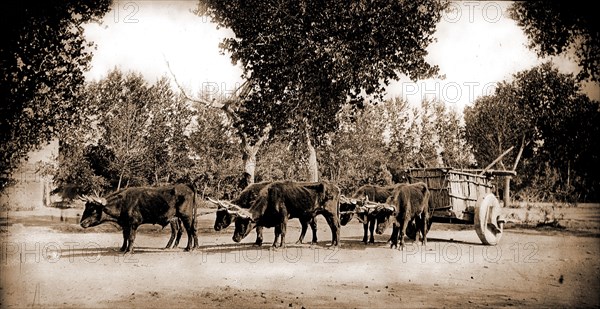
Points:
(44, 54)
(546, 111)
(308, 58)
(553, 27)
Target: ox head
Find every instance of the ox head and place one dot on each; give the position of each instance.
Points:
(244, 222)
(384, 214)
(243, 226)
(93, 213)
(226, 213)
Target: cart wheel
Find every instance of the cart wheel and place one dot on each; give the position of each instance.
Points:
(488, 224)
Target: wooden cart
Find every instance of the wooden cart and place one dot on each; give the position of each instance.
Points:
(465, 197)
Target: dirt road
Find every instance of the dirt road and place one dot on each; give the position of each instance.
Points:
(48, 263)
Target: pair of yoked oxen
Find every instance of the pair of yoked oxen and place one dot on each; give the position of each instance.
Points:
(266, 204)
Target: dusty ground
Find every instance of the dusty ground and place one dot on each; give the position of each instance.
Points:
(49, 263)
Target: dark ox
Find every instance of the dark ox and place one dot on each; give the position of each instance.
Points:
(226, 215)
(365, 193)
(283, 200)
(132, 207)
(410, 202)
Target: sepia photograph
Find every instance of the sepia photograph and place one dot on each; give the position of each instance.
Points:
(299, 154)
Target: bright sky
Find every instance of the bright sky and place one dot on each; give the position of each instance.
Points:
(478, 45)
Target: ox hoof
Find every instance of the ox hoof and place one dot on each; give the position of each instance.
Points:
(333, 245)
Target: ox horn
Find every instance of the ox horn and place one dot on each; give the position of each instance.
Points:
(388, 207)
(99, 200)
(218, 203)
(83, 198)
(243, 213)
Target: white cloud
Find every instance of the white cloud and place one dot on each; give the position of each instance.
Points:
(140, 35)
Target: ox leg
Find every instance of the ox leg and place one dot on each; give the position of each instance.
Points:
(259, 236)
(131, 238)
(179, 233)
(371, 230)
(313, 227)
(303, 232)
(366, 232)
(423, 228)
(125, 239)
(174, 232)
(394, 236)
(282, 229)
(334, 225)
(191, 233)
(277, 234)
(404, 226)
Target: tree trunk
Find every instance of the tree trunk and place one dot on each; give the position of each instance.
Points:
(249, 153)
(120, 179)
(249, 158)
(313, 165)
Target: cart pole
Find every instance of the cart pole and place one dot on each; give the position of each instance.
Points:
(506, 198)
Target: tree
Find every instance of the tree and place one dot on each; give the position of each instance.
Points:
(355, 154)
(454, 150)
(566, 120)
(44, 54)
(250, 140)
(553, 122)
(495, 123)
(217, 146)
(141, 128)
(554, 27)
(307, 59)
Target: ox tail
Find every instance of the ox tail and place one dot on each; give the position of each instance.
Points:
(194, 208)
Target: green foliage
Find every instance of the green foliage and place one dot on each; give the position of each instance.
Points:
(143, 125)
(307, 59)
(429, 135)
(44, 54)
(137, 135)
(375, 145)
(218, 165)
(546, 111)
(78, 170)
(495, 123)
(354, 154)
(554, 27)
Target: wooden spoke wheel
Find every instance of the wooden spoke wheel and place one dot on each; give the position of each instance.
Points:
(488, 222)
